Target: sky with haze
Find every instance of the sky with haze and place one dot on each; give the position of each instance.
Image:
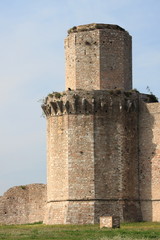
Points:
(32, 36)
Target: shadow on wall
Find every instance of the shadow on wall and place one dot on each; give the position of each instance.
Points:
(116, 159)
(127, 172)
(147, 159)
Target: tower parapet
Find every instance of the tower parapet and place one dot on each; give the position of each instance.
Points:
(89, 102)
(99, 57)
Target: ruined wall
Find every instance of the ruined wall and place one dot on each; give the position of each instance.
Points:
(23, 204)
(98, 56)
(92, 156)
(149, 157)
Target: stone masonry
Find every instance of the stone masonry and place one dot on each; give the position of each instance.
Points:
(103, 140)
(98, 146)
(23, 204)
(109, 222)
(99, 57)
(149, 157)
(99, 134)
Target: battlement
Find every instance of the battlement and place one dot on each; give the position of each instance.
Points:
(89, 102)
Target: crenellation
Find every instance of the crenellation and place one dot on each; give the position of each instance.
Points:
(84, 102)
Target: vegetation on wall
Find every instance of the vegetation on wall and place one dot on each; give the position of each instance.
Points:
(152, 97)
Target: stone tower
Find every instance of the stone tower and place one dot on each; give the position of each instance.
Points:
(98, 57)
(92, 133)
(103, 140)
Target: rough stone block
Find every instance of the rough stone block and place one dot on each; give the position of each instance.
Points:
(109, 222)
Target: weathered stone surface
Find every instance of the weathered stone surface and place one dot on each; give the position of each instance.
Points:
(94, 26)
(98, 131)
(109, 222)
(149, 157)
(98, 56)
(23, 204)
(96, 143)
(103, 140)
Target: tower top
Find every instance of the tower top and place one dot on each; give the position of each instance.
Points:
(93, 26)
(98, 57)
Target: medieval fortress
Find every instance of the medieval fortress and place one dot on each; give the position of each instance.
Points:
(103, 140)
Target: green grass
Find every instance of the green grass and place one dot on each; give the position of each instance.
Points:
(127, 231)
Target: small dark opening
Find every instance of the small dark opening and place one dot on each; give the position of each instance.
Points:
(87, 43)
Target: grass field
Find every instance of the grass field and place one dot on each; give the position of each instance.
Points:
(83, 232)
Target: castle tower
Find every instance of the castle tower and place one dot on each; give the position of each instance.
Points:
(92, 133)
(99, 57)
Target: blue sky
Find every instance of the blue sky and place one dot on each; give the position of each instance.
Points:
(32, 33)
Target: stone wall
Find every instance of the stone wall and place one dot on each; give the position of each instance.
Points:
(149, 157)
(116, 158)
(23, 204)
(57, 169)
(93, 144)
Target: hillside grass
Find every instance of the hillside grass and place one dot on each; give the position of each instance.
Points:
(128, 231)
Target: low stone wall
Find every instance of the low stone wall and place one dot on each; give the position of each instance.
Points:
(23, 204)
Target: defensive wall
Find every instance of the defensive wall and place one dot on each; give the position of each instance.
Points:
(23, 204)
